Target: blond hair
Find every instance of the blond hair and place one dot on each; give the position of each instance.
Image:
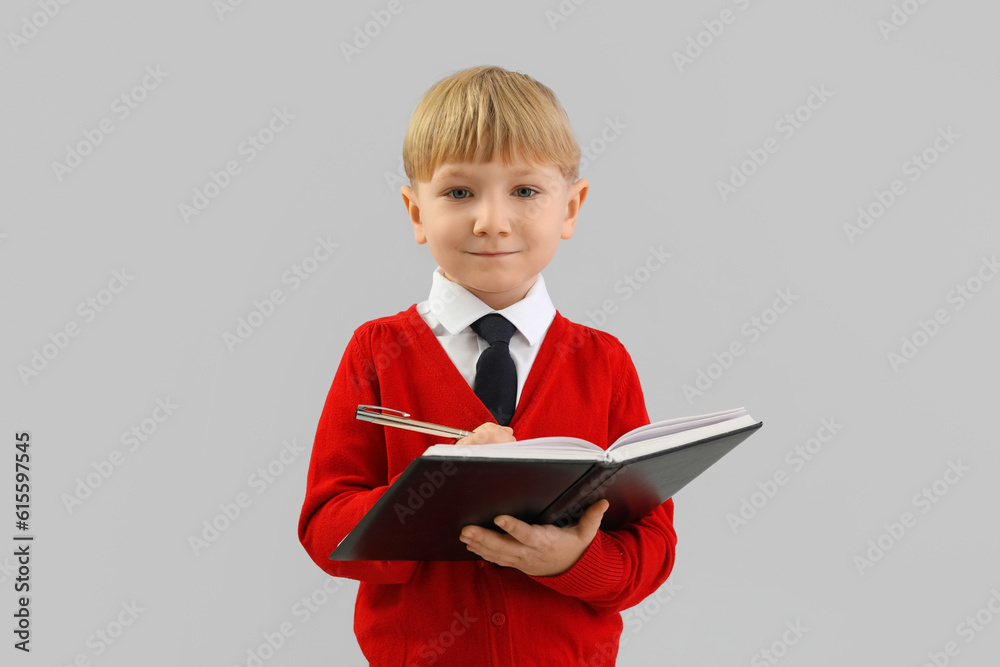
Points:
(482, 113)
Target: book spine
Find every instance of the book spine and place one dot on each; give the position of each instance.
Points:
(567, 509)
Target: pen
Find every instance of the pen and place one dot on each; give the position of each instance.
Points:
(402, 420)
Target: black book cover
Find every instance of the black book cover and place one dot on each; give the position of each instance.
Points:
(422, 514)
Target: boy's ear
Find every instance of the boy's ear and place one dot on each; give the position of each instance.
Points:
(575, 198)
(413, 208)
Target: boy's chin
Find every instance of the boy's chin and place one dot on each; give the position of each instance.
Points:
(488, 285)
(500, 290)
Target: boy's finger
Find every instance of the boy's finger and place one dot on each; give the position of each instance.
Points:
(590, 522)
(492, 546)
(516, 528)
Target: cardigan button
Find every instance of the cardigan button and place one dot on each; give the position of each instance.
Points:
(498, 619)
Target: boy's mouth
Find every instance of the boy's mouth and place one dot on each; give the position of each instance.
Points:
(492, 254)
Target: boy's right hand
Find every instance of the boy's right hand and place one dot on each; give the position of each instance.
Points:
(488, 434)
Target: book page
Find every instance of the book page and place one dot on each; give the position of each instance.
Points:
(641, 448)
(646, 439)
(534, 448)
(661, 428)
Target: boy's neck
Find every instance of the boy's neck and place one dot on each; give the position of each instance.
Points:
(499, 300)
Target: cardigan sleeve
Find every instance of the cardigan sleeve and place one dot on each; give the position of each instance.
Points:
(347, 471)
(622, 567)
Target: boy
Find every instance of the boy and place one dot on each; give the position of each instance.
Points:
(492, 162)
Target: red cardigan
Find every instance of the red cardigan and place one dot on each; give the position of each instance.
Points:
(473, 613)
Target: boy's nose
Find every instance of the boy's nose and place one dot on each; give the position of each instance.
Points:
(491, 220)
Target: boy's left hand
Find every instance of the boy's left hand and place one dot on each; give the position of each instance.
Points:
(540, 551)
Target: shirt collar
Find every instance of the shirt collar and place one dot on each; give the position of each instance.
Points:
(456, 308)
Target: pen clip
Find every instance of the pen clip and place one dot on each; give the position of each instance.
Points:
(370, 410)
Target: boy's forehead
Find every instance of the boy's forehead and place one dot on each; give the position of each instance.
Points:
(513, 169)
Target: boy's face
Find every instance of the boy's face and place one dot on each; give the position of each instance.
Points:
(493, 228)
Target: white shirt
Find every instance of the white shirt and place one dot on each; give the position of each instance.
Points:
(450, 310)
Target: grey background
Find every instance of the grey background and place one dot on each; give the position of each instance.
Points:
(330, 173)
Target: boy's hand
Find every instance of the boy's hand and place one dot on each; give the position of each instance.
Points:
(488, 434)
(541, 551)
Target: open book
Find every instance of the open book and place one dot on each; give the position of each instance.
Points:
(541, 480)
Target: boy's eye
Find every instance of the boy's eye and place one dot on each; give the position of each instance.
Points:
(458, 193)
(524, 191)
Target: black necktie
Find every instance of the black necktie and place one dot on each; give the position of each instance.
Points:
(496, 377)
